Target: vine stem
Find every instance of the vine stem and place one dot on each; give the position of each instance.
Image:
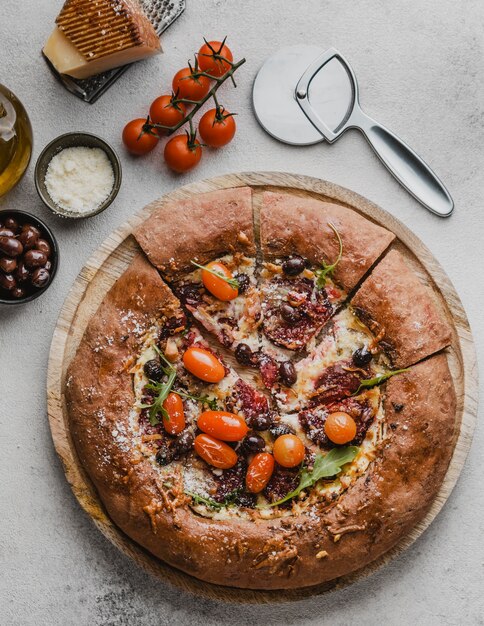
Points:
(198, 104)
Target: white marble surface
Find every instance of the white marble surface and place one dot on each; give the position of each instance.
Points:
(420, 68)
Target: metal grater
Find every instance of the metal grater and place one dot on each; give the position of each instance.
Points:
(161, 13)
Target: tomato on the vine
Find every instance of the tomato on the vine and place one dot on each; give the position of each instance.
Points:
(217, 286)
(223, 425)
(186, 85)
(340, 427)
(217, 128)
(215, 452)
(211, 64)
(182, 153)
(203, 364)
(163, 111)
(138, 140)
(288, 450)
(259, 472)
(175, 422)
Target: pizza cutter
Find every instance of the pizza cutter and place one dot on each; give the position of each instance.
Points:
(303, 95)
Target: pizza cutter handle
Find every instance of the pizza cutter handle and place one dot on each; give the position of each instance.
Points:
(405, 165)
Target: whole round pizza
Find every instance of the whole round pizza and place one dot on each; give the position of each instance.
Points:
(263, 399)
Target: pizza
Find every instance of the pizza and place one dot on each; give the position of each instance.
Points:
(263, 398)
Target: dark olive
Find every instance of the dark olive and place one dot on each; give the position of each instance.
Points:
(6, 232)
(12, 224)
(35, 258)
(362, 357)
(281, 429)
(290, 314)
(294, 265)
(33, 228)
(8, 265)
(182, 444)
(10, 246)
(244, 354)
(40, 277)
(261, 422)
(287, 373)
(29, 237)
(21, 273)
(18, 292)
(153, 370)
(48, 266)
(164, 456)
(253, 443)
(44, 246)
(7, 282)
(243, 281)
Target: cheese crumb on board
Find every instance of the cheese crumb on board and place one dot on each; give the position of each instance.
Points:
(79, 179)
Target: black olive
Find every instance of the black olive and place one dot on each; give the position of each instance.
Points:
(261, 422)
(243, 354)
(281, 429)
(12, 224)
(164, 456)
(7, 282)
(243, 281)
(362, 357)
(289, 314)
(293, 266)
(18, 292)
(253, 443)
(153, 370)
(10, 246)
(40, 277)
(8, 265)
(287, 373)
(183, 443)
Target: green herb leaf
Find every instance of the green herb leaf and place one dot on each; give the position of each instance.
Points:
(162, 389)
(378, 380)
(233, 282)
(327, 270)
(198, 499)
(325, 465)
(204, 400)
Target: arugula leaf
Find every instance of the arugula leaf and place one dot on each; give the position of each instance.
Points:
(327, 270)
(162, 389)
(378, 380)
(198, 499)
(325, 465)
(233, 282)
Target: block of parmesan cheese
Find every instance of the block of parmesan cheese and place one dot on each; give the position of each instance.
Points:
(93, 36)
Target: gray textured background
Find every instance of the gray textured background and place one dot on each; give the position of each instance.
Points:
(420, 68)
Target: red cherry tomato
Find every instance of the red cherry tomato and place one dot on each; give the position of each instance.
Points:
(203, 364)
(340, 427)
(223, 425)
(162, 111)
(186, 86)
(135, 141)
(180, 155)
(288, 450)
(208, 63)
(259, 472)
(219, 287)
(217, 130)
(215, 452)
(175, 422)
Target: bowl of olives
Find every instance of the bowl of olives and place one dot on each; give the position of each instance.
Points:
(29, 257)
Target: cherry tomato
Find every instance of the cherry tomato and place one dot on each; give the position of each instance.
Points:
(135, 143)
(288, 450)
(223, 425)
(175, 422)
(340, 427)
(214, 131)
(180, 156)
(163, 112)
(211, 65)
(259, 472)
(219, 287)
(186, 86)
(215, 452)
(203, 364)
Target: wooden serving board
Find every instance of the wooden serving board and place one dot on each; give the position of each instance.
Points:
(110, 261)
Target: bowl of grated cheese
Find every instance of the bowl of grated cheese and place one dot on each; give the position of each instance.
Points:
(78, 175)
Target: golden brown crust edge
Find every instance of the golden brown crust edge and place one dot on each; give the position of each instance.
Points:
(291, 224)
(201, 227)
(406, 310)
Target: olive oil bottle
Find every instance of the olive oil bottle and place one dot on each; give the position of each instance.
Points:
(15, 140)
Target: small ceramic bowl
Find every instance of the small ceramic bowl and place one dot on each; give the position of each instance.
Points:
(22, 217)
(73, 140)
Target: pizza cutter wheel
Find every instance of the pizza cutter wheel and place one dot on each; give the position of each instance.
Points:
(303, 95)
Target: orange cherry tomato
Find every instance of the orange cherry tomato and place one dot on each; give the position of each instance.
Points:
(137, 141)
(216, 131)
(215, 452)
(223, 425)
(288, 450)
(340, 427)
(175, 422)
(259, 472)
(203, 364)
(186, 86)
(181, 154)
(211, 65)
(219, 287)
(163, 112)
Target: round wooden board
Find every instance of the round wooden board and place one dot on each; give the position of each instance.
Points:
(109, 262)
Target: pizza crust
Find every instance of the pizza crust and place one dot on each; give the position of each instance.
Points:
(394, 301)
(293, 225)
(202, 228)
